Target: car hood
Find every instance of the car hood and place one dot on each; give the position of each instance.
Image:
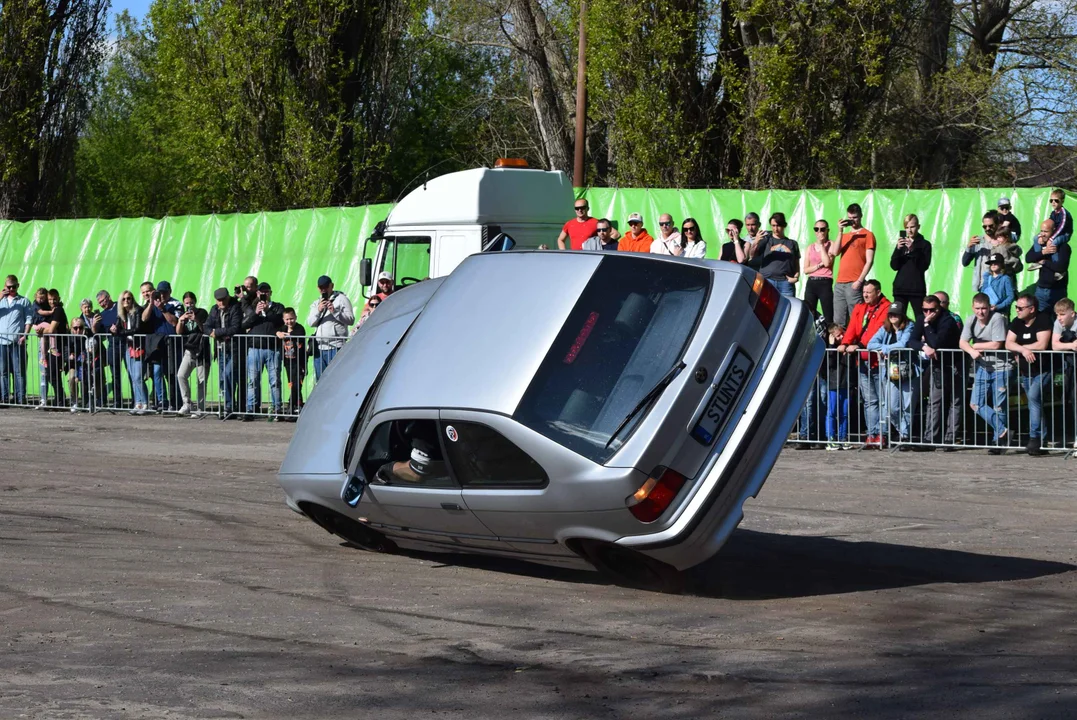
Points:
(322, 431)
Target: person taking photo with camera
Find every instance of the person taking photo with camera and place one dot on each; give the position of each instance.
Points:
(330, 315)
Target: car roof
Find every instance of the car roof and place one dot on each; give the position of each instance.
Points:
(483, 334)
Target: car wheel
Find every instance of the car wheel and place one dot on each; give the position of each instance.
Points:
(632, 569)
(344, 527)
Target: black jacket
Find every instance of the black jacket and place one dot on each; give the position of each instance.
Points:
(226, 323)
(943, 334)
(911, 266)
(263, 328)
(1051, 266)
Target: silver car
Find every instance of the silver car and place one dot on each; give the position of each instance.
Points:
(600, 410)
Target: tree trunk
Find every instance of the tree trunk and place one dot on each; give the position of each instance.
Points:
(550, 110)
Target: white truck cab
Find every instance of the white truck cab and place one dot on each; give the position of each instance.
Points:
(437, 225)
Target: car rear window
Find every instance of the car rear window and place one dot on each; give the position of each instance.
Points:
(630, 326)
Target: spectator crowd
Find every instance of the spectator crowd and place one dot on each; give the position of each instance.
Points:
(159, 342)
(900, 367)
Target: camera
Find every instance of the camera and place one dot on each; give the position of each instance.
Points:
(262, 296)
(845, 222)
(237, 290)
(325, 295)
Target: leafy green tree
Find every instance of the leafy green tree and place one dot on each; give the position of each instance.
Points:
(50, 52)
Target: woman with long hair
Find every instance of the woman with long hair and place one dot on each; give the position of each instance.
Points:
(129, 326)
(898, 366)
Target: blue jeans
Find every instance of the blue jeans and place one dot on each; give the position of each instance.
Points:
(837, 414)
(258, 358)
(900, 397)
(1033, 386)
(1047, 297)
(322, 360)
(990, 385)
(159, 373)
(812, 412)
(869, 397)
(13, 362)
(138, 382)
(226, 377)
(785, 287)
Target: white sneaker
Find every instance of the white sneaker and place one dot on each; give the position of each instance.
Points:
(74, 408)
(185, 409)
(42, 404)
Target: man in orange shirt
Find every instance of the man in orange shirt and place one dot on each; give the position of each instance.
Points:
(637, 239)
(856, 250)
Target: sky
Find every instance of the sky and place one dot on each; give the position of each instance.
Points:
(137, 8)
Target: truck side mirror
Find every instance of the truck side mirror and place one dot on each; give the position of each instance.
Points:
(499, 243)
(366, 271)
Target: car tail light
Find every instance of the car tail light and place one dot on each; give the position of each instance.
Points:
(765, 299)
(655, 495)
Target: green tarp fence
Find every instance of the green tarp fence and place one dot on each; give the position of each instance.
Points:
(291, 249)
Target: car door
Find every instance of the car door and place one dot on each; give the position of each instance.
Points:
(501, 483)
(426, 506)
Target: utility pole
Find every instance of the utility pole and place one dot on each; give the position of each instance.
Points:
(581, 100)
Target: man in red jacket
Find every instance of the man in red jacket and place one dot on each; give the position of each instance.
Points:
(866, 320)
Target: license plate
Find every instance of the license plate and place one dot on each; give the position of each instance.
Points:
(725, 397)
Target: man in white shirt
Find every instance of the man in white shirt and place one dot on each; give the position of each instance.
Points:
(668, 241)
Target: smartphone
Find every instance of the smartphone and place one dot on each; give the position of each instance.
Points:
(901, 234)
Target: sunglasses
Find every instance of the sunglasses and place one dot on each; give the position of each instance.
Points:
(822, 229)
(1056, 201)
(77, 328)
(1023, 307)
(693, 228)
(988, 227)
(10, 287)
(634, 222)
(602, 229)
(665, 223)
(929, 309)
(580, 208)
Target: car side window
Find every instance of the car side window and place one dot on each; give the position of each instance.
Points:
(405, 453)
(482, 457)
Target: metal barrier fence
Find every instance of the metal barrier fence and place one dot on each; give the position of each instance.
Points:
(995, 401)
(246, 377)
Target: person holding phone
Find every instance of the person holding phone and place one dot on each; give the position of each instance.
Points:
(331, 316)
(779, 257)
(910, 260)
(855, 256)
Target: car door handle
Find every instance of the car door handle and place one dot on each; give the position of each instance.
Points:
(450, 506)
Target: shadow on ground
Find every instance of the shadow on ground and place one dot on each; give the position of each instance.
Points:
(758, 565)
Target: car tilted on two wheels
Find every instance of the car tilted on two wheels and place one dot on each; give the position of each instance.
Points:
(585, 409)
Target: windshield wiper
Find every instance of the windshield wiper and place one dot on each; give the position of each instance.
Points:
(647, 399)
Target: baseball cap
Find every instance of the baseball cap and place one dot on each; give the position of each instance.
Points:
(1003, 202)
(996, 258)
(221, 294)
(635, 217)
(385, 276)
(264, 287)
(896, 308)
(164, 286)
(324, 281)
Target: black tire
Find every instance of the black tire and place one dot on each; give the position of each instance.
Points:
(344, 527)
(632, 569)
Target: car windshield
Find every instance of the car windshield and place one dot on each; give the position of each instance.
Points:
(628, 329)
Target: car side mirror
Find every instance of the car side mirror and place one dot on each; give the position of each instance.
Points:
(499, 243)
(366, 271)
(353, 491)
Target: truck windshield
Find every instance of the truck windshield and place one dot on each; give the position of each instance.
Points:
(631, 324)
(406, 257)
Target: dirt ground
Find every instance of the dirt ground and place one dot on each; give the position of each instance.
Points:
(149, 568)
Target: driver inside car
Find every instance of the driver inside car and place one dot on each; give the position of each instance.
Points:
(423, 462)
